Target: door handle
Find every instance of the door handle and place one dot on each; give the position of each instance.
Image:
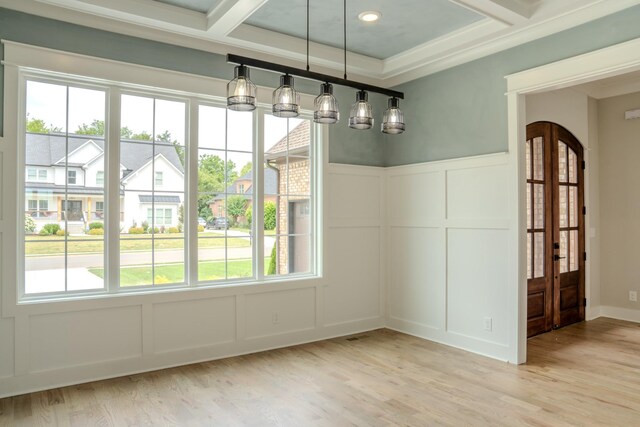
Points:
(558, 257)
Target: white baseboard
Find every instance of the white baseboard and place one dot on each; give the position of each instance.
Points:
(618, 313)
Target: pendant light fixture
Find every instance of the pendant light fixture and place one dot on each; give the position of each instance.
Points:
(326, 106)
(361, 116)
(241, 92)
(393, 118)
(286, 101)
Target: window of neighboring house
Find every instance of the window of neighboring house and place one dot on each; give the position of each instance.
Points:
(38, 208)
(164, 217)
(42, 174)
(153, 139)
(71, 177)
(99, 214)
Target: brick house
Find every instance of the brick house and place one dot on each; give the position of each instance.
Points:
(290, 157)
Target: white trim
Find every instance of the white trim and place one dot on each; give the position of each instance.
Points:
(126, 178)
(620, 313)
(611, 61)
(90, 141)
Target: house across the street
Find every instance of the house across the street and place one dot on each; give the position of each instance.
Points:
(46, 175)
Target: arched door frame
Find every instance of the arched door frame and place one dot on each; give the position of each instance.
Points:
(608, 62)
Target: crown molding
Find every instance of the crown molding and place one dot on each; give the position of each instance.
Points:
(221, 31)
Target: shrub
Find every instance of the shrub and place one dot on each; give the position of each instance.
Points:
(248, 214)
(154, 230)
(272, 262)
(96, 225)
(270, 216)
(173, 230)
(145, 226)
(43, 232)
(96, 232)
(51, 229)
(29, 224)
(136, 230)
(200, 228)
(160, 279)
(60, 232)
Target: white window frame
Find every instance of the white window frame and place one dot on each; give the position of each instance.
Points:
(34, 174)
(159, 178)
(75, 177)
(23, 61)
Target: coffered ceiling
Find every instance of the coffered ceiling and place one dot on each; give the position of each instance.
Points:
(411, 39)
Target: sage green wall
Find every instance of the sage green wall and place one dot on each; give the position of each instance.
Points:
(463, 111)
(346, 145)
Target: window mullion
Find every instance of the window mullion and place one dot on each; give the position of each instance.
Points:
(191, 194)
(112, 192)
(258, 194)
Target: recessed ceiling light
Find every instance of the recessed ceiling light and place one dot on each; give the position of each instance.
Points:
(369, 16)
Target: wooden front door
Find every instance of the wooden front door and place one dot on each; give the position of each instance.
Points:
(555, 228)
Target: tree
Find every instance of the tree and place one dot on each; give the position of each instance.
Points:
(211, 180)
(246, 168)
(39, 126)
(166, 137)
(95, 128)
(269, 216)
(236, 206)
(142, 136)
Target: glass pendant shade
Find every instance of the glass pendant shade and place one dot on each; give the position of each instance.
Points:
(361, 116)
(286, 101)
(393, 118)
(241, 92)
(326, 106)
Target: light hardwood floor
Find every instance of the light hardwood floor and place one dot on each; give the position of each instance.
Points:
(585, 374)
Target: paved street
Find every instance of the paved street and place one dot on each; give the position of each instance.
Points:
(142, 257)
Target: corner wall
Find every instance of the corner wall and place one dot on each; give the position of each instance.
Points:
(448, 253)
(620, 206)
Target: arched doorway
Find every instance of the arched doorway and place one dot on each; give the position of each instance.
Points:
(555, 228)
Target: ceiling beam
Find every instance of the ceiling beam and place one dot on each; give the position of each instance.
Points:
(229, 14)
(510, 12)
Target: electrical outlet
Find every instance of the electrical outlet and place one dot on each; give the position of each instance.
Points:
(633, 296)
(488, 324)
(275, 318)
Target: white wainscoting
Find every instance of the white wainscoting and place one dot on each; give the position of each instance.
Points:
(448, 230)
(68, 342)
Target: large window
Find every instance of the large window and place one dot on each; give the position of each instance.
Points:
(182, 179)
(59, 254)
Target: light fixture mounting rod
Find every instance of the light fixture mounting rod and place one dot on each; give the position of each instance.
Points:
(312, 75)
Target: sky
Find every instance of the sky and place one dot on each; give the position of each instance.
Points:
(48, 102)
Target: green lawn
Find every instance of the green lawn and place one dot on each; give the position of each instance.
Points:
(52, 245)
(174, 273)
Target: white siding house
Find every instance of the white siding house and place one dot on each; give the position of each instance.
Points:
(152, 178)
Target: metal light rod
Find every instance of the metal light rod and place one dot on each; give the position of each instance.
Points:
(278, 68)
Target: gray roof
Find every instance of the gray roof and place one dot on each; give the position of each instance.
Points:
(270, 184)
(46, 150)
(159, 199)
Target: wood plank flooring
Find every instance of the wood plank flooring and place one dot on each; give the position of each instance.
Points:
(382, 378)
